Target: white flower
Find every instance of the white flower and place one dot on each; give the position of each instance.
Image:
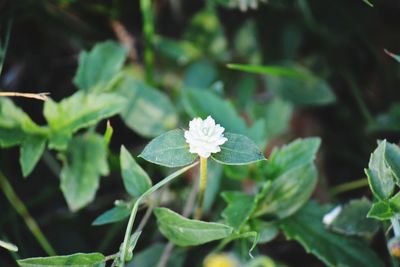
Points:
(331, 216)
(204, 136)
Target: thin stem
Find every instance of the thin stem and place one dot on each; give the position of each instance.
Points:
(152, 189)
(20, 207)
(202, 188)
(3, 48)
(187, 209)
(39, 96)
(349, 186)
(148, 30)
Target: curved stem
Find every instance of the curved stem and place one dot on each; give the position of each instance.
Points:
(202, 188)
(20, 207)
(152, 189)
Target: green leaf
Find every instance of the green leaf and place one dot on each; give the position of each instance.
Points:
(200, 75)
(148, 111)
(269, 70)
(74, 260)
(352, 220)
(267, 230)
(30, 152)
(181, 51)
(16, 125)
(277, 114)
(85, 160)
(76, 112)
(8, 246)
(288, 192)
(238, 150)
(185, 232)
(333, 249)
(202, 103)
(381, 210)
(132, 244)
(239, 208)
(296, 154)
(392, 157)
(169, 149)
(214, 176)
(136, 180)
(379, 174)
(100, 65)
(151, 256)
(302, 92)
(116, 214)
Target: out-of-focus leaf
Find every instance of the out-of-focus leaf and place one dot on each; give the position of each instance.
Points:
(307, 91)
(185, 232)
(199, 75)
(239, 208)
(269, 70)
(30, 152)
(148, 111)
(333, 249)
(181, 51)
(246, 43)
(387, 121)
(390, 54)
(74, 260)
(352, 220)
(214, 174)
(115, 214)
(97, 67)
(136, 180)
(206, 33)
(16, 125)
(202, 103)
(76, 112)
(8, 246)
(267, 230)
(289, 192)
(238, 150)
(85, 161)
(380, 176)
(169, 149)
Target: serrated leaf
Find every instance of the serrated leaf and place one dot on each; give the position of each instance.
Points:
(379, 174)
(136, 180)
(169, 149)
(381, 210)
(115, 214)
(16, 125)
(76, 112)
(352, 220)
(333, 249)
(30, 152)
(238, 150)
(298, 153)
(100, 65)
(288, 192)
(74, 260)
(239, 208)
(185, 232)
(85, 161)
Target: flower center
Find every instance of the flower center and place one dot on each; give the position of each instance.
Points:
(205, 130)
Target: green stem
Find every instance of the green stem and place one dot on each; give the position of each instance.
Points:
(128, 231)
(148, 31)
(20, 207)
(202, 188)
(349, 186)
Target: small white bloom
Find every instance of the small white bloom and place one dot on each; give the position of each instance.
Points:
(204, 137)
(331, 216)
